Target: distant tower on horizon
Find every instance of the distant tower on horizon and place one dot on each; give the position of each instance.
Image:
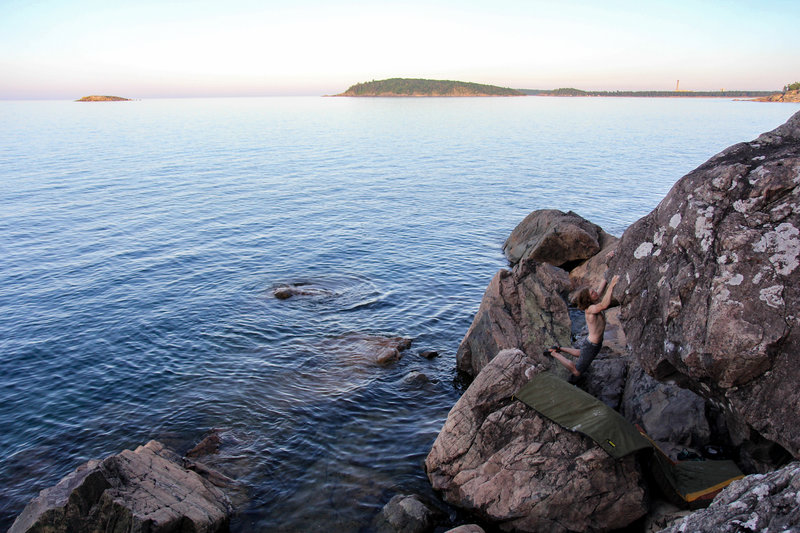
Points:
(678, 86)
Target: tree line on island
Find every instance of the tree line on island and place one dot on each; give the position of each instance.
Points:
(423, 87)
(426, 87)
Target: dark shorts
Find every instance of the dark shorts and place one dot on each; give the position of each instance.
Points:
(589, 351)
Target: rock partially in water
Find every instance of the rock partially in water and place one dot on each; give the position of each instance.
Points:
(499, 459)
(760, 502)
(361, 347)
(284, 292)
(521, 309)
(416, 378)
(209, 445)
(405, 514)
(711, 285)
(142, 490)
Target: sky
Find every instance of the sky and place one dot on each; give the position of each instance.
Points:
(146, 49)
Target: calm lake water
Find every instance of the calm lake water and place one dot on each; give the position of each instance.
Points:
(140, 243)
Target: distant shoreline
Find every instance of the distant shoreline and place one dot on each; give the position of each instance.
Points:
(578, 93)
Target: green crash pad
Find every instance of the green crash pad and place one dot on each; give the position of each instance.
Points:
(579, 411)
(687, 483)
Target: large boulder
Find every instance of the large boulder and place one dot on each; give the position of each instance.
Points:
(521, 309)
(141, 490)
(552, 236)
(761, 502)
(711, 286)
(501, 460)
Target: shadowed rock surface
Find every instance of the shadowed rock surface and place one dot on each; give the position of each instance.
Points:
(522, 309)
(711, 285)
(761, 502)
(503, 461)
(141, 490)
(674, 417)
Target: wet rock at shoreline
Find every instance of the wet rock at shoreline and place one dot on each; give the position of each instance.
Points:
(501, 460)
(405, 514)
(142, 490)
(554, 237)
(524, 309)
(711, 285)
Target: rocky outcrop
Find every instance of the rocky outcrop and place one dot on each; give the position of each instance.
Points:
(503, 461)
(405, 514)
(787, 96)
(711, 285)
(522, 309)
(761, 502)
(141, 490)
(551, 236)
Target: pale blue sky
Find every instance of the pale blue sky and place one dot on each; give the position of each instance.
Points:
(141, 49)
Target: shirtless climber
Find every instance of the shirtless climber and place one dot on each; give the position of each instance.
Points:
(593, 306)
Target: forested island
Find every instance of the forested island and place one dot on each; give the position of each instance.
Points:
(101, 98)
(422, 87)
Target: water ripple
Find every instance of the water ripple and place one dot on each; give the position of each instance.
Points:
(141, 246)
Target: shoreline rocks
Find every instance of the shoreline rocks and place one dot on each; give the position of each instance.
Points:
(715, 270)
(504, 462)
(709, 292)
(146, 489)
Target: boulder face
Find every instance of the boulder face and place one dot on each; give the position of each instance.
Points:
(501, 460)
(674, 417)
(520, 309)
(711, 284)
(141, 490)
(554, 237)
(761, 502)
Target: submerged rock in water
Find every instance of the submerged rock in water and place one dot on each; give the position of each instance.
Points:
(284, 292)
(361, 347)
(501, 460)
(711, 285)
(141, 490)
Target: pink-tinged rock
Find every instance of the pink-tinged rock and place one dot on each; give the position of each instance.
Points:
(501, 460)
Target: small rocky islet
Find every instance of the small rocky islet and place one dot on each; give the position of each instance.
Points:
(102, 98)
(700, 352)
